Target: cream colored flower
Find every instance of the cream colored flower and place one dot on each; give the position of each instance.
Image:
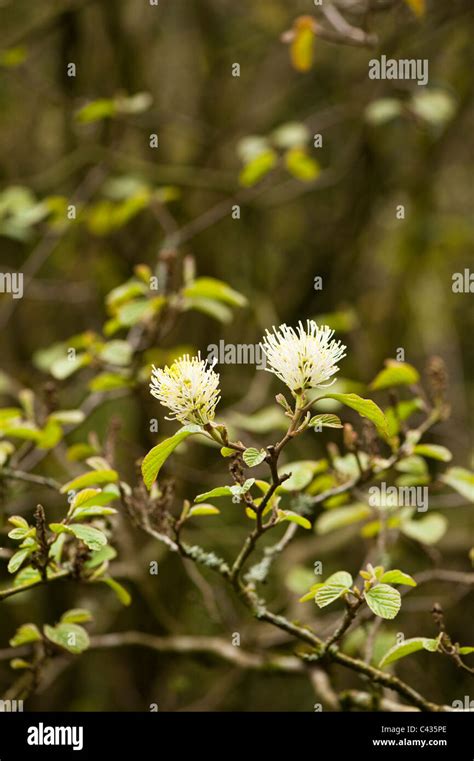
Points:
(303, 358)
(189, 388)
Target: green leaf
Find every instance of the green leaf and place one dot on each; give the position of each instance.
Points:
(50, 435)
(19, 533)
(407, 647)
(64, 367)
(397, 577)
(466, 650)
(301, 166)
(76, 616)
(25, 634)
(265, 420)
(383, 600)
(253, 457)
(302, 472)
(157, 456)
(227, 452)
(82, 513)
(103, 498)
(204, 510)
(116, 353)
(119, 590)
(310, 594)
(109, 381)
(92, 537)
(334, 587)
(219, 491)
(215, 290)
(6, 449)
(135, 311)
(325, 421)
(365, 407)
(68, 417)
(395, 374)
(90, 479)
(401, 412)
(340, 517)
(289, 515)
(84, 496)
(214, 309)
(101, 556)
(70, 637)
(434, 451)
(302, 43)
(461, 480)
(427, 530)
(17, 559)
(19, 663)
(18, 521)
(256, 169)
(26, 431)
(102, 108)
(12, 57)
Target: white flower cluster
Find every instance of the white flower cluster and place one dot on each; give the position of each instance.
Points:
(303, 358)
(189, 388)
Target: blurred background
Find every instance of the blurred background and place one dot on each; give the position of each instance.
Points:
(167, 70)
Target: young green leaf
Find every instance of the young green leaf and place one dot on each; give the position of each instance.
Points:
(433, 451)
(215, 290)
(408, 646)
(395, 374)
(340, 517)
(204, 510)
(365, 407)
(18, 521)
(68, 636)
(334, 587)
(92, 537)
(25, 634)
(219, 491)
(427, 530)
(325, 421)
(397, 577)
(157, 456)
(253, 457)
(289, 515)
(122, 594)
(17, 559)
(82, 513)
(76, 616)
(90, 479)
(461, 480)
(310, 594)
(19, 663)
(383, 600)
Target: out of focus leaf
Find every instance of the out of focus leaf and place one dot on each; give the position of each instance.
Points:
(395, 374)
(302, 44)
